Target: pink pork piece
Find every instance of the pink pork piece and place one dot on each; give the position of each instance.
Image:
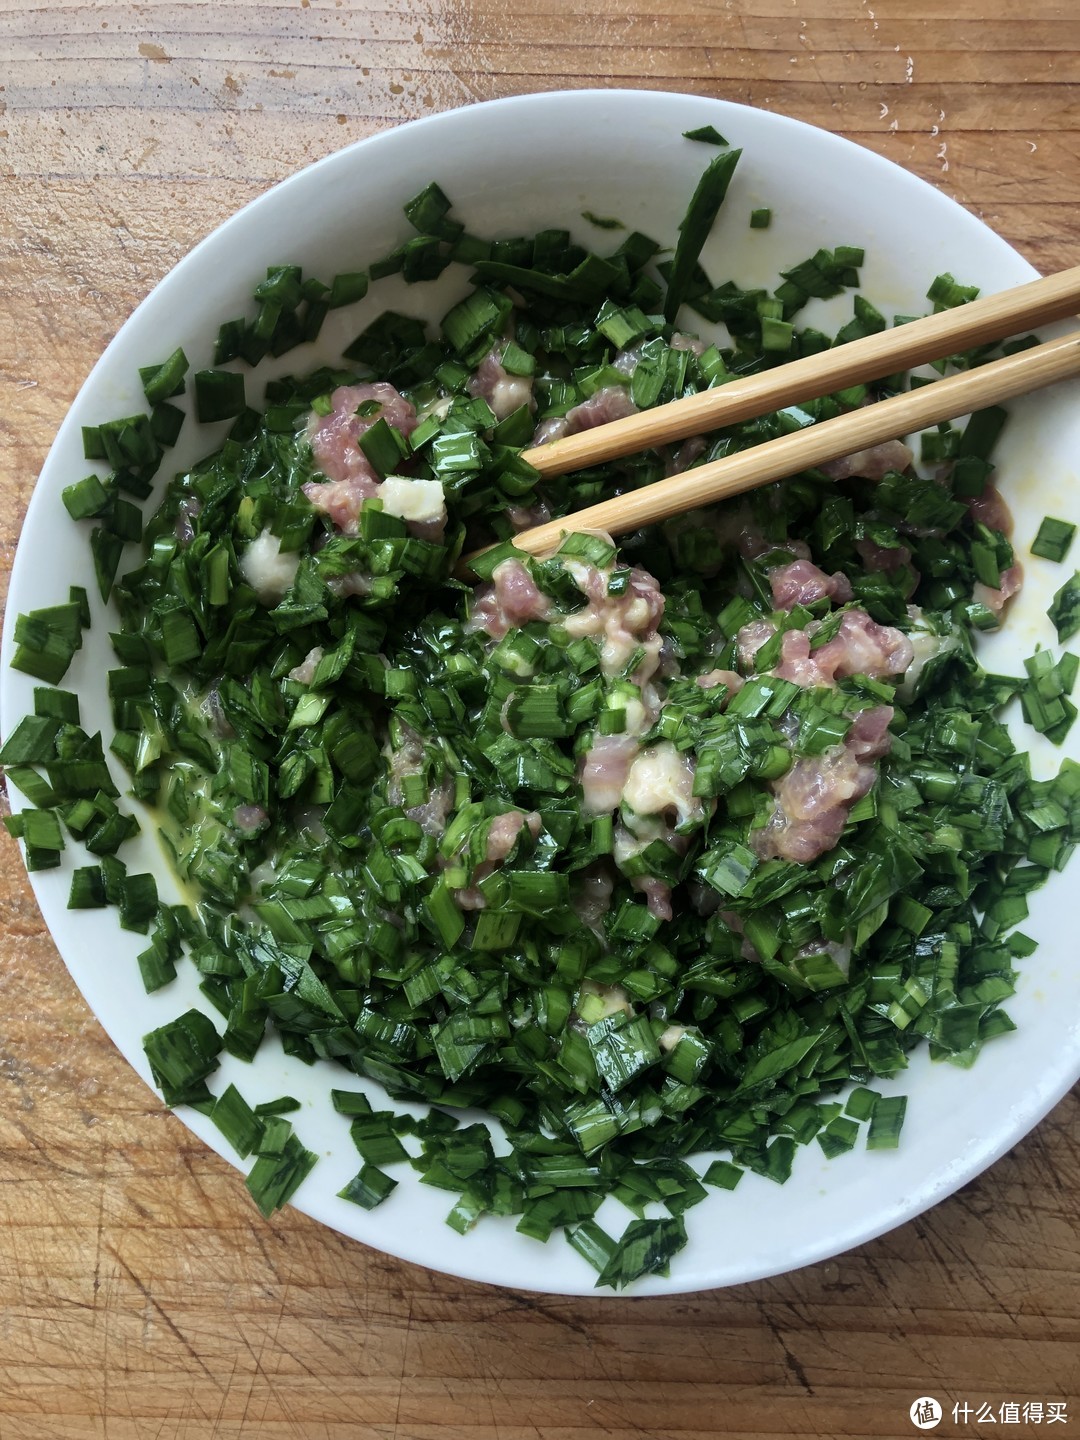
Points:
(621, 623)
(990, 509)
(524, 517)
(712, 678)
(611, 403)
(687, 454)
(335, 446)
(797, 664)
(860, 647)
(872, 464)
(995, 599)
(501, 838)
(503, 392)
(801, 583)
(696, 346)
(408, 759)
(657, 895)
(604, 769)
(249, 818)
(883, 559)
(869, 738)
(510, 601)
(504, 831)
(814, 797)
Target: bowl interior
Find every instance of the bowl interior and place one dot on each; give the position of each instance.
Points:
(513, 167)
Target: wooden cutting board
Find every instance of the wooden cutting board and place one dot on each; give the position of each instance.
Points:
(140, 1293)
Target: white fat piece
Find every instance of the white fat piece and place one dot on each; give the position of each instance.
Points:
(926, 647)
(601, 1001)
(305, 671)
(509, 395)
(669, 1038)
(660, 779)
(421, 501)
(267, 570)
(440, 408)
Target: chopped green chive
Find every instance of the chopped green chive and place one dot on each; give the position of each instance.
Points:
(369, 1188)
(1064, 609)
(694, 228)
(219, 395)
(707, 134)
(162, 382)
(1053, 540)
(886, 1123)
(274, 1179)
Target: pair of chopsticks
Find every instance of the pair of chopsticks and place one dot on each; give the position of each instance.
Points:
(994, 317)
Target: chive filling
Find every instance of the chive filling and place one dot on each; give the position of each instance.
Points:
(650, 852)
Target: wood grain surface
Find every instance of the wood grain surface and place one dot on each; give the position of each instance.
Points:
(140, 1293)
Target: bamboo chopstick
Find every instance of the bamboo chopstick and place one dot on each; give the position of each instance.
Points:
(993, 317)
(828, 440)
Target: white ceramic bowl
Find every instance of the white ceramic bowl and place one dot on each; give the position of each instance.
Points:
(511, 167)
